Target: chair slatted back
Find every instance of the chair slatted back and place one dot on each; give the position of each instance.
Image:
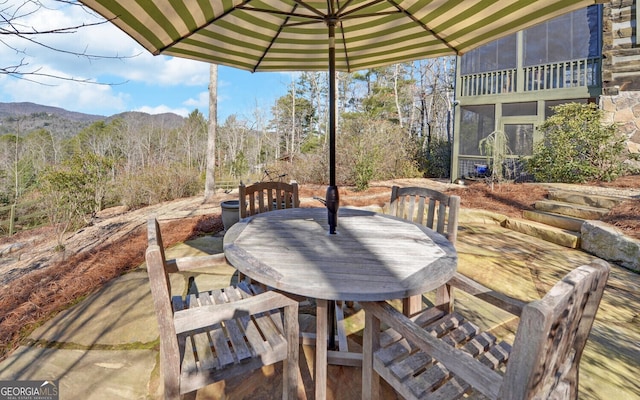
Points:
(427, 207)
(552, 335)
(267, 196)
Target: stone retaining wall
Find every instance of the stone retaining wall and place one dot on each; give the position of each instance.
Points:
(606, 242)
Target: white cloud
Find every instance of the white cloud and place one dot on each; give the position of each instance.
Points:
(123, 61)
(70, 95)
(164, 109)
(165, 71)
(136, 74)
(201, 102)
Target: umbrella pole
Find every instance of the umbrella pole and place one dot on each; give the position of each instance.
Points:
(332, 104)
(332, 198)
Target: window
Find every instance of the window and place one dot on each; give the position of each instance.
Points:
(476, 123)
(497, 55)
(571, 36)
(518, 109)
(549, 104)
(520, 138)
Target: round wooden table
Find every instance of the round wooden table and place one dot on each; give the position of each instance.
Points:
(372, 257)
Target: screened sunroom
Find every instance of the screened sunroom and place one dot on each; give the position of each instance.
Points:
(511, 85)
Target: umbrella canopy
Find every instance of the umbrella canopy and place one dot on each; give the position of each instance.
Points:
(278, 35)
(344, 35)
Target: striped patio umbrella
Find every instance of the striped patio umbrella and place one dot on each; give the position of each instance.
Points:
(333, 35)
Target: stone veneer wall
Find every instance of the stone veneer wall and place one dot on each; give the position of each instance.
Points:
(624, 110)
(620, 100)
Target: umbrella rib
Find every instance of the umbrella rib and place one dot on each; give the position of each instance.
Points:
(344, 47)
(362, 7)
(204, 25)
(377, 14)
(423, 25)
(308, 7)
(273, 39)
(283, 13)
(341, 16)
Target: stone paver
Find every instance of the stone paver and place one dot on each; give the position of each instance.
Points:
(118, 314)
(82, 374)
(526, 268)
(106, 345)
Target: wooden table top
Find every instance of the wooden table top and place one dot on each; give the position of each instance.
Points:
(372, 257)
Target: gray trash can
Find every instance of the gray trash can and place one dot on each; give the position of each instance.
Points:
(230, 213)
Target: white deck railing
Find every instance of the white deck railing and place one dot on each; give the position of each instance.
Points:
(567, 74)
(493, 82)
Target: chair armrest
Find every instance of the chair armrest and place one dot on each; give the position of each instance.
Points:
(191, 263)
(197, 318)
(498, 299)
(481, 377)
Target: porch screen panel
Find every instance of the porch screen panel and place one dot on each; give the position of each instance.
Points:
(571, 36)
(550, 104)
(520, 137)
(517, 109)
(498, 55)
(476, 123)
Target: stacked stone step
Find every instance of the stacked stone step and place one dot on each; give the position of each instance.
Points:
(559, 219)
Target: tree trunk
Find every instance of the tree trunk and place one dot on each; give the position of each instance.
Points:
(396, 95)
(293, 119)
(210, 181)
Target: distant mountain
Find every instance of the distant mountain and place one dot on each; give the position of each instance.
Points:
(22, 118)
(165, 120)
(22, 109)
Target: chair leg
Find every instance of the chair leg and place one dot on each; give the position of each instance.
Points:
(322, 309)
(371, 343)
(444, 298)
(412, 305)
(291, 365)
(189, 396)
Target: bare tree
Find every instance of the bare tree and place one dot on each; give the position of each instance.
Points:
(210, 180)
(395, 93)
(16, 34)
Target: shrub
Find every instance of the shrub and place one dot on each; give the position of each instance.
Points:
(158, 183)
(435, 159)
(366, 150)
(369, 149)
(577, 147)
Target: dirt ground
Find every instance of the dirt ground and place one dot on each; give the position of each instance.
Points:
(36, 293)
(507, 199)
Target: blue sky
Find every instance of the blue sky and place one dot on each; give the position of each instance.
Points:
(141, 82)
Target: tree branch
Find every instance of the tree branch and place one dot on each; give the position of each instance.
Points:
(11, 26)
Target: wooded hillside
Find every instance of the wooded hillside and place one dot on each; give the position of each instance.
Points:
(393, 122)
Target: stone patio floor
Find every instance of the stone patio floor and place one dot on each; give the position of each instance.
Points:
(105, 347)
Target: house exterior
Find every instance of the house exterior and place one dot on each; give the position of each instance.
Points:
(510, 85)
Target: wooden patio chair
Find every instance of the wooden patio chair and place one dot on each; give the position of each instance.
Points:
(267, 196)
(442, 355)
(432, 209)
(215, 335)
